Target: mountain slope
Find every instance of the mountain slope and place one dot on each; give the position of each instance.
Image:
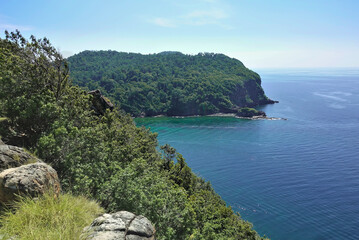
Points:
(169, 83)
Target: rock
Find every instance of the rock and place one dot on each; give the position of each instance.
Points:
(250, 113)
(31, 180)
(120, 225)
(100, 103)
(11, 156)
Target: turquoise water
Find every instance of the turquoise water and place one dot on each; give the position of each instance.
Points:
(294, 179)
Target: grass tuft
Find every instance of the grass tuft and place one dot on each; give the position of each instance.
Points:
(48, 218)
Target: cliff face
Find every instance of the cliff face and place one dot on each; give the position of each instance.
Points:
(251, 94)
(169, 83)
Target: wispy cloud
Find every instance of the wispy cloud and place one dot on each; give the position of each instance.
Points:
(203, 12)
(211, 14)
(163, 22)
(12, 27)
(207, 17)
(5, 24)
(195, 18)
(210, 1)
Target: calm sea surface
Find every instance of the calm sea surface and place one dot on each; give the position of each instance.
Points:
(294, 179)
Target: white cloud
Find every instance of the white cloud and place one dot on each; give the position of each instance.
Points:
(207, 14)
(210, 1)
(12, 27)
(210, 12)
(195, 18)
(163, 22)
(207, 17)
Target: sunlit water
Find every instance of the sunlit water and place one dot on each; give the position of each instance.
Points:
(294, 179)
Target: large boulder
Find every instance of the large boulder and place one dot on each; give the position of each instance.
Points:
(100, 103)
(31, 180)
(11, 156)
(120, 225)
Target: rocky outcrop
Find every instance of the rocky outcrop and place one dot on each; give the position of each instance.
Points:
(250, 94)
(120, 225)
(11, 156)
(250, 113)
(100, 103)
(31, 180)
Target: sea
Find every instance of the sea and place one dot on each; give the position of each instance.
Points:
(294, 179)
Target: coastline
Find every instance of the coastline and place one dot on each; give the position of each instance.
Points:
(232, 115)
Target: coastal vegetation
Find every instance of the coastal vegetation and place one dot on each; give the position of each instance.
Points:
(169, 83)
(105, 157)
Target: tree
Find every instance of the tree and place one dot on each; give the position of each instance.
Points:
(33, 79)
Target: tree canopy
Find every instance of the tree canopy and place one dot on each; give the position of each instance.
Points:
(169, 83)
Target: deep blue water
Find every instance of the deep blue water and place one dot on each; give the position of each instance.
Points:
(294, 179)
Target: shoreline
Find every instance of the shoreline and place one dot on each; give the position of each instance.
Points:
(233, 115)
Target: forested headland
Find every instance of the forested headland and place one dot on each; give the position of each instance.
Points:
(105, 157)
(169, 83)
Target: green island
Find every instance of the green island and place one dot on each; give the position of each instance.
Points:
(106, 157)
(170, 83)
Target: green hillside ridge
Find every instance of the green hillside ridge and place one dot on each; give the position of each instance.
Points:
(169, 83)
(104, 157)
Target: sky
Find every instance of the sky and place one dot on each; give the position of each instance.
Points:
(260, 33)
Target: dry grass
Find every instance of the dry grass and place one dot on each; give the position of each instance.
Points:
(48, 218)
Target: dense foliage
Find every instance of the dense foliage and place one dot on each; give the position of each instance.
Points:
(105, 157)
(169, 83)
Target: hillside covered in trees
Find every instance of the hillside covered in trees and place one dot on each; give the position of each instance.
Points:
(169, 83)
(104, 157)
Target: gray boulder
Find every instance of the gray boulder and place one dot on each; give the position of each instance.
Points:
(31, 180)
(100, 103)
(11, 156)
(121, 225)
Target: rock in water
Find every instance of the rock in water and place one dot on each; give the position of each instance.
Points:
(32, 180)
(121, 225)
(11, 156)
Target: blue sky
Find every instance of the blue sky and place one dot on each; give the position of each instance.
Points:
(260, 33)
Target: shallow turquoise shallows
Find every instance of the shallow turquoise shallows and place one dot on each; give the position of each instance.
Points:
(296, 179)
